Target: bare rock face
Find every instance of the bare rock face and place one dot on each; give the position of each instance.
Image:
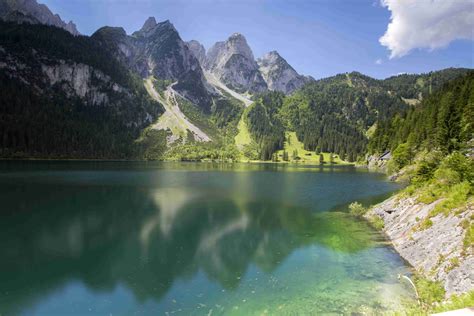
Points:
(376, 164)
(83, 81)
(279, 75)
(38, 13)
(75, 80)
(20, 18)
(233, 63)
(125, 48)
(158, 50)
(437, 251)
(198, 50)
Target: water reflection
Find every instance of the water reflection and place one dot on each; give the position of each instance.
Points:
(158, 231)
(147, 239)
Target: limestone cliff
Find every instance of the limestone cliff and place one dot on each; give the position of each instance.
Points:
(279, 75)
(157, 49)
(233, 63)
(438, 251)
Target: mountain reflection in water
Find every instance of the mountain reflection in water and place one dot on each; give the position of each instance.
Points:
(148, 237)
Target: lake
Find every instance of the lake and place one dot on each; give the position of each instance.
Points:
(122, 238)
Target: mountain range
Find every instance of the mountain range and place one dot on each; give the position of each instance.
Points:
(151, 95)
(34, 13)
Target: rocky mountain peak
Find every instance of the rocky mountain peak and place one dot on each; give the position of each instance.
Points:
(232, 62)
(237, 37)
(273, 55)
(39, 12)
(278, 74)
(151, 27)
(71, 28)
(237, 44)
(272, 59)
(149, 24)
(198, 50)
(168, 26)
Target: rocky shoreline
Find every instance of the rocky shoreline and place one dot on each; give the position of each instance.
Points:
(437, 252)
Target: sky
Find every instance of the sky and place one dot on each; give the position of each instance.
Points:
(321, 38)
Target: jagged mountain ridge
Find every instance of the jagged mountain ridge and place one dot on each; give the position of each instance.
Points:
(233, 63)
(279, 75)
(34, 13)
(158, 50)
(198, 50)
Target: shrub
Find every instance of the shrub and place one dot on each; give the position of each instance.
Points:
(425, 166)
(469, 237)
(430, 193)
(453, 263)
(456, 302)
(409, 191)
(425, 224)
(402, 155)
(456, 196)
(357, 209)
(446, 176)
(377, 222)
(429, 291)
(392, 167)
(461, 164)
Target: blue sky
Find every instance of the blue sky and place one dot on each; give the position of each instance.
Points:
(318, 38)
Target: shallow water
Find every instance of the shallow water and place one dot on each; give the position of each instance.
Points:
(121, 238)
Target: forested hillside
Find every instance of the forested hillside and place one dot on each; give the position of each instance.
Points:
(336, 113)
(420, 86)
(62, 96)
(443, 121)
(265, 124)
(431, 221)
(432, 149)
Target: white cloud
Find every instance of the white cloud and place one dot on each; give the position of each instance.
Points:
(429, 24)
(379, 61)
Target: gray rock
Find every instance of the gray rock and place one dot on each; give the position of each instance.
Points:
(158, 50)
(279, 75)
(375, 163)
(198, 50)
(431, 251)
(20, 18)
(82, 81)
(233, 63)
(38, 13)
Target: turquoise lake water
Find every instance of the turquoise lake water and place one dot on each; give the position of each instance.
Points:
(123, 238)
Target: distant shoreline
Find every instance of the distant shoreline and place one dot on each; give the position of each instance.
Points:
(190, 161)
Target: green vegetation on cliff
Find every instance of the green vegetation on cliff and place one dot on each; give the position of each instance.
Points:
(432, 149)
